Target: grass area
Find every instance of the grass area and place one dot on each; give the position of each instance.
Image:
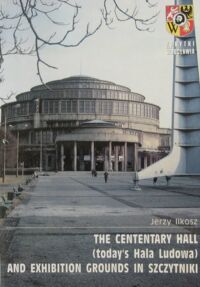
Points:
(12, 179)
(5, 188)
(15, 203)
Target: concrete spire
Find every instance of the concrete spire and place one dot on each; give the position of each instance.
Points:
(184, 159)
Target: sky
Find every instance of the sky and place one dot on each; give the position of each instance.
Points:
(123, 55)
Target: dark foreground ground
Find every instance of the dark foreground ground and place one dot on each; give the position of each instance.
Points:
(61, 213)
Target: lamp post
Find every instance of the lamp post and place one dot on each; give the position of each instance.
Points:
(17, 148)
(41, 150)
(17, 155)
(4, 141)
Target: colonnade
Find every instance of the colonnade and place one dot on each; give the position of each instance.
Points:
(147, 158)
(111, 156)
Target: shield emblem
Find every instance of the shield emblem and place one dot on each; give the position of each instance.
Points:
(180, 20)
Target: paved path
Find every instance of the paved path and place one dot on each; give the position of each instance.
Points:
(56, 224)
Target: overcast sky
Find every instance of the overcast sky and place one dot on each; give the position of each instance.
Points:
(124, 55)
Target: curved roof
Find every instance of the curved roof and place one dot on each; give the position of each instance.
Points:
(77, 80)
(81, 87)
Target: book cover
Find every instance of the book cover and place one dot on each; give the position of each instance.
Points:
(99, 143)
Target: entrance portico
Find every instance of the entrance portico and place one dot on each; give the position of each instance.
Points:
(99, 146)
(85, 156)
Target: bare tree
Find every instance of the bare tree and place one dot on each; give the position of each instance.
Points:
(5, 99)
(123, 12)
(28, 26)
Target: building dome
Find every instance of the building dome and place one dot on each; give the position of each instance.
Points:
(79, 110)
(90, 98)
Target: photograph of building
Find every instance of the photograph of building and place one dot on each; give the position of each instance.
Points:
(82, 123)
(100, 143)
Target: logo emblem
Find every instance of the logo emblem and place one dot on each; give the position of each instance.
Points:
(179, 20)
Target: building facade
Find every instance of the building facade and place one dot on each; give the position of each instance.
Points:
(81, 123)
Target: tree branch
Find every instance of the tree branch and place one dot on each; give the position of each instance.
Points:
(26, 36)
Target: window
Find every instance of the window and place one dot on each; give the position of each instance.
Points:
(134, 109)
(51, 107)
(138, 109)
(56, 107)
(45, 107)
(116, 107)
(87, 107)
(157, 113)
(126, 112)
(49, 161)
(121, 108)
(81, 106)
(37, 136)
(32, 107)
(63, 107)
(49, 137)
(69, 106)
(142, 110)
(105, 107)
(145, 111)
(74, 106)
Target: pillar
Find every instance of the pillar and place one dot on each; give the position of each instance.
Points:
(116, 157)
(46, 161)
(56, 163)
(92, 156)
(125, 156)
(145, 160)
(122, 156)
(106, 159)
(110, 156)
(62, 157)
(29, 137)
(150, 159)
(41, 151)
(75, 156)
(135, 157)
(17, 155)
(139, 161)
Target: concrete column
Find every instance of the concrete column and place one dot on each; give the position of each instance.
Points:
(106, 159)
(145, 160)
(122, 154)
(17, 155)
(150, 159)
(92, 156)
(125, 156)
(41, 151)
(75, 156)
(29, 137)
(62, 157)
(158, 157)
(110, 156)
(46, 161)
(135, 157)
(139, 162)
(56, 163)
(116, 157)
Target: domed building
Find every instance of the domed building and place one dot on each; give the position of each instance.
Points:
(82, 123)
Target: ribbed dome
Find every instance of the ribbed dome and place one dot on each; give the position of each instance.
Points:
(81, 87)
(81, 82)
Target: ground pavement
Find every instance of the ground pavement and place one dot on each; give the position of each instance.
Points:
(60, 214)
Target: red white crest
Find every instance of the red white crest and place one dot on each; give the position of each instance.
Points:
(180, 20)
